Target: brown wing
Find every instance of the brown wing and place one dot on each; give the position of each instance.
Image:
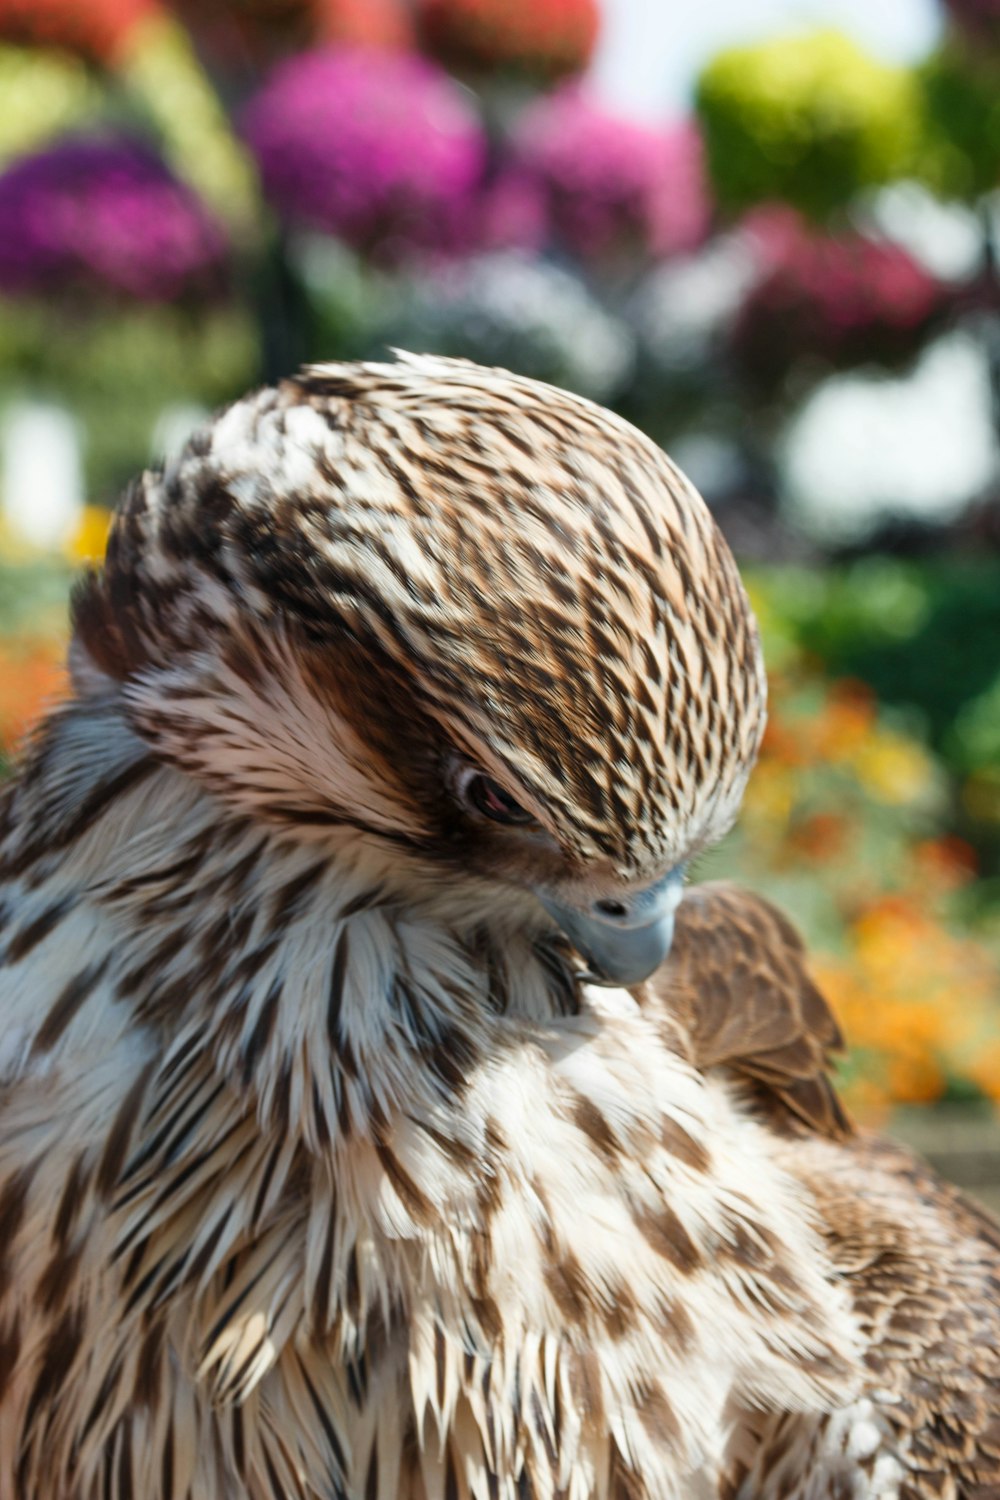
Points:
(922, 1266)
(920, 1262)
(737, 980)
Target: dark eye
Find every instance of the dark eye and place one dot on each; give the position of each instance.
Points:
(488, 797)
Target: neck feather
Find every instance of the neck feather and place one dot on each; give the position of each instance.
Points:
(330, 985)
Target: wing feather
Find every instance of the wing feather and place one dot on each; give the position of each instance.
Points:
(917, 1258)
(919, 1261)
(738, 982)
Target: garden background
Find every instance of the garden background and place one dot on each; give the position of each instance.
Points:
(794, 288)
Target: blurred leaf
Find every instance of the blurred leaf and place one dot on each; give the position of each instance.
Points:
(808, 120)
(958, 148)
(118, 368)
(43, 93)
(163, 75)
(33, 597)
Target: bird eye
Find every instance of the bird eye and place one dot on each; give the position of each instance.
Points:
(489, 798)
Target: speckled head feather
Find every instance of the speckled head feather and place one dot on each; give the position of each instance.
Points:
(520, 577)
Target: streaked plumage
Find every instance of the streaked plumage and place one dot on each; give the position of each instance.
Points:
(323, 1172)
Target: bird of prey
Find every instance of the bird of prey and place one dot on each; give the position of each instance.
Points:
(377, 1121)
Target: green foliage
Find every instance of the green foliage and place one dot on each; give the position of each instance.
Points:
(167, 87)
(43, 94)
(118, 368)
(33, 597)
(923, 635)
(807, 119)
(958, 151)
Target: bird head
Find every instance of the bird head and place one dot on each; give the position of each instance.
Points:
(471, 621)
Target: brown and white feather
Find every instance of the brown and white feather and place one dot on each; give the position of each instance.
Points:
(322, 1170)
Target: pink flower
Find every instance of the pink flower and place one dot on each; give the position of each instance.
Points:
(614, 186)
(376, 147)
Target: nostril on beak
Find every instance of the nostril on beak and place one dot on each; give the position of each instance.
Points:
(621, 940)
(611, 908)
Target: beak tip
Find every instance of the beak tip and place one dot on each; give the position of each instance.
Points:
(616, 956)
(632, 963)
(624, 945)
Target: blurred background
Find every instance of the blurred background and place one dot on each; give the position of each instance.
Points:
(768, 235)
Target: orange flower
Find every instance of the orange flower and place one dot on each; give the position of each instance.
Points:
(944, 864)
(30, 678)
(914, 1079)
(846, 721)
(783, 742)
(822, 835)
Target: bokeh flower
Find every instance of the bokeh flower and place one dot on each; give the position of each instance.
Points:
(365, 23)
(613, 186)
(544, 39)
(238, 35)
(508, 212)
(105, 215)
(894, 769)
(32, 676)
(943, 864)
(378, 148)
(915, 1000)
(807, 119)
(90, 538)
(98, 30)
(830, 300)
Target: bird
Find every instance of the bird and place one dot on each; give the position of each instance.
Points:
(383, 1113)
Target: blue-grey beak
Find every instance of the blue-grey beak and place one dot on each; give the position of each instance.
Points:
(623, 939)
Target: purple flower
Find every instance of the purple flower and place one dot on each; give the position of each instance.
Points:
(378, 148)
(105, 214)
(612, 185)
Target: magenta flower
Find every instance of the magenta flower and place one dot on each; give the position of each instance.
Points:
(841, 301)
(614, 186)
(378, 148)
(103, 214)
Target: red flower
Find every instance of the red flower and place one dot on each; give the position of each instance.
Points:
(94, 29)
(543, 38)
(252, 33)
(365, 23)
(840, 301)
